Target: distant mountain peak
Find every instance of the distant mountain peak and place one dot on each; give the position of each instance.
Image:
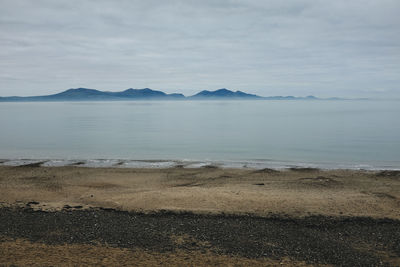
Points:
(311, 97)
(223, 93)
(223, 90)
(79, 92)
(81, 89)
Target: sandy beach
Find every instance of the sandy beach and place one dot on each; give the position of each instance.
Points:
(295, 193)
(199, 133)
(174, 216)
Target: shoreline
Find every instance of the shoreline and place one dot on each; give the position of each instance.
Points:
(186, 163)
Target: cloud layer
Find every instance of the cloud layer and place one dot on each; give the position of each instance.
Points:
(325, 48)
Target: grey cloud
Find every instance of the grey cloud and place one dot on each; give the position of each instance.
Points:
(335, 48)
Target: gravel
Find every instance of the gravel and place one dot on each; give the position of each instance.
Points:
(341, 241)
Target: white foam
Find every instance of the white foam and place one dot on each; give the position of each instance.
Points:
(198, 164)
(147, 164)
(99, 163)
(58, 163)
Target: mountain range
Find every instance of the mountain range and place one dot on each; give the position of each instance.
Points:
(84, 94)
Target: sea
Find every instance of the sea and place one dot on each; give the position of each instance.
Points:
(345, 134)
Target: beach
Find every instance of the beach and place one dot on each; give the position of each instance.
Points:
(198, 216)
(199, 133)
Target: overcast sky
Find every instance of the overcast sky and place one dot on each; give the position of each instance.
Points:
(323, 48)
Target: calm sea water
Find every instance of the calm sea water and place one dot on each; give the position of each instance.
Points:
(343, 134)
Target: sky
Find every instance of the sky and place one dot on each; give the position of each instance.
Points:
(298, 47)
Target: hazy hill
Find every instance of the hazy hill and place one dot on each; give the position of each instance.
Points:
(85, 94)
(223, 93)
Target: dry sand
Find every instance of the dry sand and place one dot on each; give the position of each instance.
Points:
(297, 193)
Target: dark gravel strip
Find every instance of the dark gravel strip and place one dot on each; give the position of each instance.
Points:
(318, 239)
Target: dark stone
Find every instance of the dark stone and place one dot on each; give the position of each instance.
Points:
(314, 239)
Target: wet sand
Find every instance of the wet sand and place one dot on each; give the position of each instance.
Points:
(180, 216)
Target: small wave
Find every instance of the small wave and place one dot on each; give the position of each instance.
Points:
(240, 164)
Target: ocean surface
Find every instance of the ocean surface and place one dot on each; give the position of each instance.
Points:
(277, 134)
